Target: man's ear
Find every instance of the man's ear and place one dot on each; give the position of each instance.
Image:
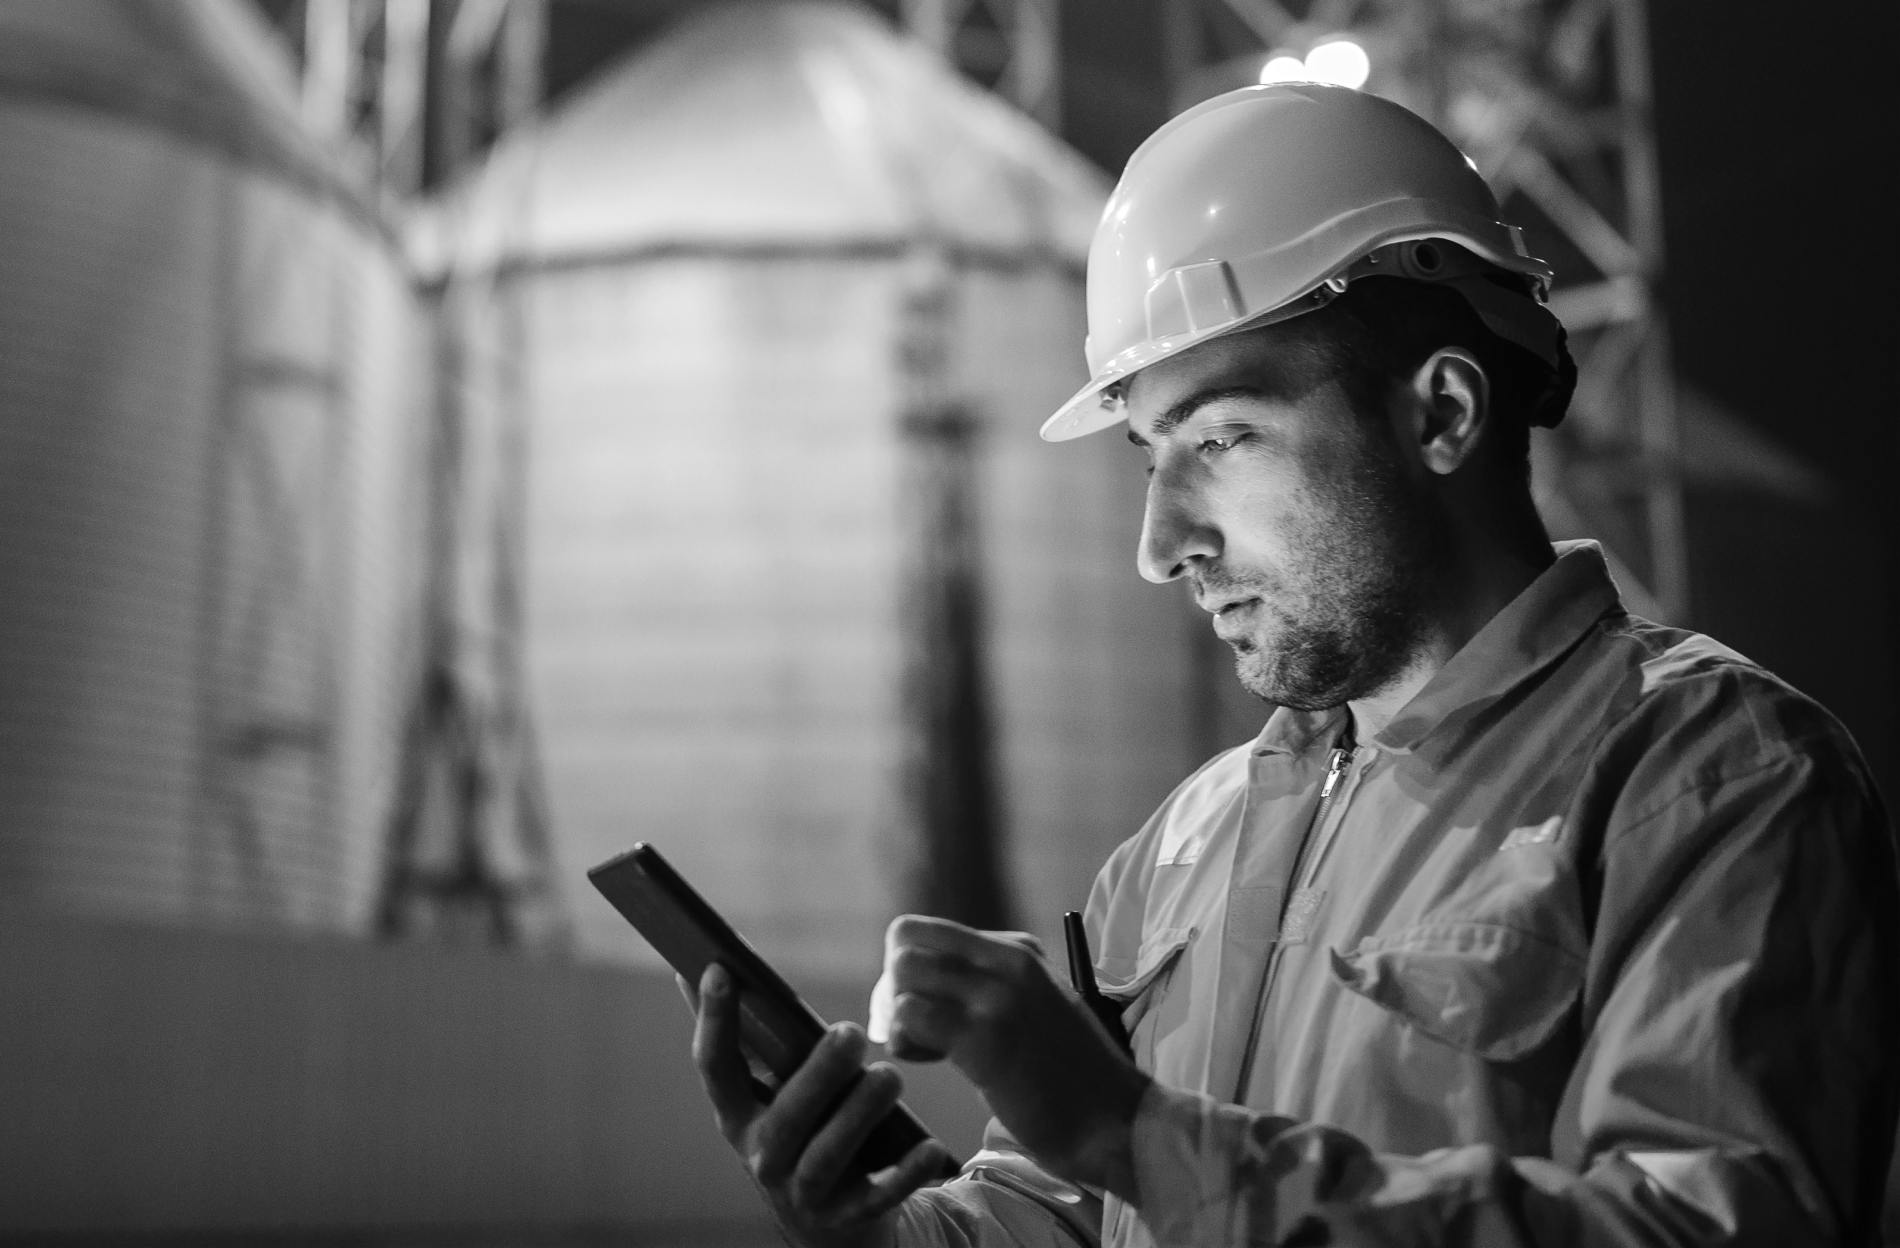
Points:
(1451, 406)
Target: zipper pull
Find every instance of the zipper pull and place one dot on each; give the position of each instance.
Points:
(1335, 769)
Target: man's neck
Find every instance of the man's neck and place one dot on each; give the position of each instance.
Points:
(1470, 600)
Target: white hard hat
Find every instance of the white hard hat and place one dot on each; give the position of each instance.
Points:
(1263, 203)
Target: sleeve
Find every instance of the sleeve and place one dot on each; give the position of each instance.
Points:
(1736, 1080)
(1001, 1199)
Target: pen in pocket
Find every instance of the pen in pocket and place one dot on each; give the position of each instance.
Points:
(1082, 977)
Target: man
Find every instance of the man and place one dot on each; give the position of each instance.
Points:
(1523, 921)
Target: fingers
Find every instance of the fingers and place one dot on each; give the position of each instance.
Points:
(922, 1165)
(926, 1028)
(802, 1142)
(722, 1065)
(832, 1148)
(941, 980)
(804, 1103)
(993, 951)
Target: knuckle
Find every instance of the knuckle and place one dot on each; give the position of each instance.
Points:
(913, 1012)
(908, 962)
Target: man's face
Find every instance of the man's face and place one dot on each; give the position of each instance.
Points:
(1296, 521)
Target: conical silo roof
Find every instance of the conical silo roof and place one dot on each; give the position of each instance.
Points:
(775, 125)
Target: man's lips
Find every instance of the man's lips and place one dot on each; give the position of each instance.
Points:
(1234, 616)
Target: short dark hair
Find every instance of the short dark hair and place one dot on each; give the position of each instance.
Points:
(1382, 328)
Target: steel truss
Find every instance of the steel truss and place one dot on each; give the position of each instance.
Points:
(411, 89)
(1552, 100)
(1010, 46)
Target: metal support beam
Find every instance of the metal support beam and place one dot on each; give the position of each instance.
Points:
(487, 76)
(415, 89)
(1010, 46)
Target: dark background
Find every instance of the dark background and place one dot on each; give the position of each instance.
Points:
(1777, 144)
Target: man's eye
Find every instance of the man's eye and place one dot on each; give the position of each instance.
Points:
(1218, 444)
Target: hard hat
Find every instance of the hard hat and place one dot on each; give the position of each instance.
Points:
(1265, 202)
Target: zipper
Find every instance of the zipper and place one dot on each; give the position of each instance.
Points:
(1304, 864)
(1336, 769)
(1307, 864)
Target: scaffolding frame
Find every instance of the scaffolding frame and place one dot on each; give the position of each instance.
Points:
(1552, 100)
(1010, 46)
(412, 89)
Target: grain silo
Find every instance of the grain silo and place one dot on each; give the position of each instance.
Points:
(781, 301)
(210, 516)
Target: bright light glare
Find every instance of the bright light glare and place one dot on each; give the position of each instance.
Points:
(1283, 68)
(1339, 61)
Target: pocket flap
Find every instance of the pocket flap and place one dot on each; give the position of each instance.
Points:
(1492, 990)
(1158, 949)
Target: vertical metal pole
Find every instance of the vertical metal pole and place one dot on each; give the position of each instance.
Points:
(329, 54)
(523, 49)
(1659, 428)
(449, 97)
(403, 93)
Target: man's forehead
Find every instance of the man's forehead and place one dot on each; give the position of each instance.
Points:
(1276, 365)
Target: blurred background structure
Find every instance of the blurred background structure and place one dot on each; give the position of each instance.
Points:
(445, 441)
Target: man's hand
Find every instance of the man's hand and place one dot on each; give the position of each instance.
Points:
(799, 1147)
(1049, 1071)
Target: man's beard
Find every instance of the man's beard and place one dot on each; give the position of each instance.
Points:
(1348, 617)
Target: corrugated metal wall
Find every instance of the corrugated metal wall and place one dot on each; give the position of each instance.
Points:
(712, 551)
(210, 495)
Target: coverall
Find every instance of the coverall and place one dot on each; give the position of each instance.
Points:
(1596, 942)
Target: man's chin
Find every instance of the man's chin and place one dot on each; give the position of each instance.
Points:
(1270, 681)
(1255, 674)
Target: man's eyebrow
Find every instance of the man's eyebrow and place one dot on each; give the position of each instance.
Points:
(1176, 416)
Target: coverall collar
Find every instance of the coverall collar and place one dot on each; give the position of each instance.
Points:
(1533, 631)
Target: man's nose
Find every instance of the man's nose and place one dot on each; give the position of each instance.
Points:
(1174, 533)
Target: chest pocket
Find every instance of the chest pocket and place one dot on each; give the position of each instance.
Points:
(1145, 987)
(1491, 990)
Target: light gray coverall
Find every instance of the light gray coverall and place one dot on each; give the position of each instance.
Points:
(1597, 942)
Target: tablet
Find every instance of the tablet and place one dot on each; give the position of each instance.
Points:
(776, 1028)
